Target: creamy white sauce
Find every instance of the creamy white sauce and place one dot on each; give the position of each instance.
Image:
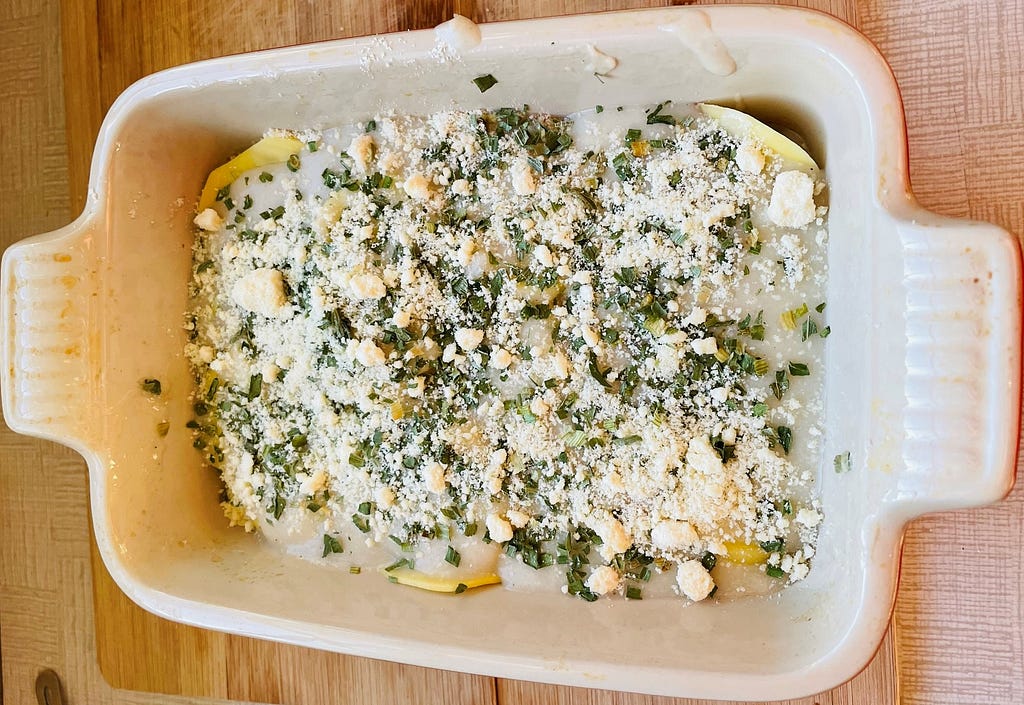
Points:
(693, 28)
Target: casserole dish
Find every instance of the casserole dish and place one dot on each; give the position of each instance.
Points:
(922, 376)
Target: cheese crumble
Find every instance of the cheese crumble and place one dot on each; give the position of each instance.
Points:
(558, 342)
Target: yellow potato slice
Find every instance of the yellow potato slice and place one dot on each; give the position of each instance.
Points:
(745, 553)
(269, 150)
(424, 581)
(740, 125)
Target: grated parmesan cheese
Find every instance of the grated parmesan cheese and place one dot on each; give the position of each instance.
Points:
(562, 332)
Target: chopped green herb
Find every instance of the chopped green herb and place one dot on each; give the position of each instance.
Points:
(452, 556)
(790, 318)
(634, 593)
(774, 571)
(266, 176)
(461, 588)
(842, 463)
(656, 117)
(293, 162)
(255, 386)
(785, 438)
(574, 439)
(331, 545)
(400, 563)
(485, 82)
(798, 369)
(808, 328)
(361, 522)
(151, 385)
(355, 570)
(708, 560)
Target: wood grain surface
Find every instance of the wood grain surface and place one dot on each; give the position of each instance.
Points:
(959, 623)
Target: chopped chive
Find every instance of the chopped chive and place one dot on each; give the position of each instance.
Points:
(774, 572)
(452, 556)
(655, 117)
(484, 83)
(774, 546)
(461, 588)
(790, 317)
(842, 463)
(255, 386)
(785, 438)
(634, 593)
(355, 570)
(163, 428)
(361, 522)
(575, 439)
(371, 125)
(820, 308)
(798, 369)
(266, 176)
(312, 146)
(293, 162)
(599, 109)
(809, 328)
(331, 545)
(400, 563)
(708, 560)
(152, 386)
(627, 440)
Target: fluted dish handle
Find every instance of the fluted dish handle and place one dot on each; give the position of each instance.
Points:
(49, 303)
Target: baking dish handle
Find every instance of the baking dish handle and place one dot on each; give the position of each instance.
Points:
(48, 301)
(962, 283)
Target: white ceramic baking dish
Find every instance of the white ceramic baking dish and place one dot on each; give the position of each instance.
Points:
(922, 377)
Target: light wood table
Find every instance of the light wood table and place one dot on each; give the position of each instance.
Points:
(958, 629)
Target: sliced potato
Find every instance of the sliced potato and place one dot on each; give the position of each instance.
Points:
(269, 150)
(740, 125)
(425, 581)
(745, 553)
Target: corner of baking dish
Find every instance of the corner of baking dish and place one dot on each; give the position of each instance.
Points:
(951, 295)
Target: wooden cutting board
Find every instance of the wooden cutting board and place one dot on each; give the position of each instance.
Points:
(107, 45)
